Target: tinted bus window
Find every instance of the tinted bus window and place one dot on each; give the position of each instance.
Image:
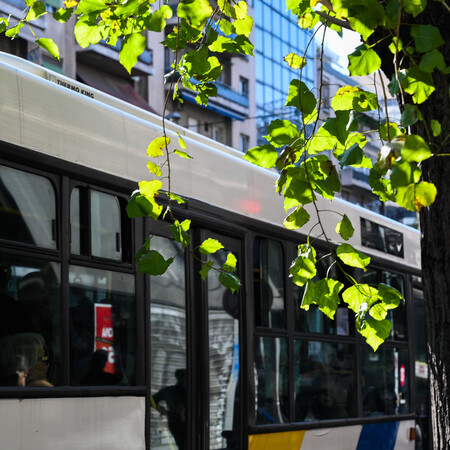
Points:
(29, 321)
(168, 350)
(269, 284)
(103, 224)
(385, 381)
(27, 208)
(271, 380)
(324, 381)
(223, 326)
(102, 327)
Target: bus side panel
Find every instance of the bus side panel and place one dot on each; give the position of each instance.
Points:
(113, 423)
(375, 436)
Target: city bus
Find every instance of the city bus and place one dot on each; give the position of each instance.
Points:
(93, 354)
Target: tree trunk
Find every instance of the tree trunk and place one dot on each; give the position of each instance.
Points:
(435, 227)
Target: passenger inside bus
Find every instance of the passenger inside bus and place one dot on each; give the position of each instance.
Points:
(24, 360)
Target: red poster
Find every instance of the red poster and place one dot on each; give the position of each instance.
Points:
(104, 334)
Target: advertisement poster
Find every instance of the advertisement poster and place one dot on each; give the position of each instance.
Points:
(104, 334)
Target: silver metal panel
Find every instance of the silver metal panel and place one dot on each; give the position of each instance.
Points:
(109, 423)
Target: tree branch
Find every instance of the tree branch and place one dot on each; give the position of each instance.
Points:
(339, 22)
(327, 4)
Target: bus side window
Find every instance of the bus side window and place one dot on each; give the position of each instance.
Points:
(98, 233)
(27, 208)
(268, 267)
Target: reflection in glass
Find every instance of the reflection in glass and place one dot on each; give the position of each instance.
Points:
(223, 325)
(105, 226)
(324, 382)
(76, 223)
(313, 320)
(385, 381)
(168, 347)
(397, 316)
(27, 208)
(29, 322)
(102, 327)
(271, 380)
(269, 283)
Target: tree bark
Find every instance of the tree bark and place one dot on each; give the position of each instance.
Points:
(435, 228)
(434, 221)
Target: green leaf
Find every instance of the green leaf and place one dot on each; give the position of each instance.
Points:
(360, 297)
(394, 130)
(49, 45)
(396, 46)
(363, 61)
(176, 198)
(196, 13)
(243, 26)
(230, 281)
(180, 232)
(409, 115)
(150, 189)
(4, 23)
(210, 246)
(230, 264)
(157, 21)
(303, 268)
(308, 20)
(206, 267)
(415, 196)
(181, 142)
(426, 38)
(153, 263)
(263, 156)
(157, 146)
(414, 7)
(296, 219)
(63, 15)
(345, 228)
(343, 99)
(435, 127)
(354, 156)
(325, 294)
(389, 298)
(133, 46)
(204, 92)
(182, 154)
(352, 257)
(87, 7)
(36, 10)
(295, 61)
(140, 206)
(297, 190)
(87, 33)
(154, 168)
(281, 132)
(404, 173)
(415, 149)
(127, 8)
(301, 97)
(417, 83)
(376, 332)
(432, 60)
(380, 185)
(14, 31)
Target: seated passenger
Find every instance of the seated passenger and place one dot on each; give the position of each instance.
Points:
(32, 347)
(13, 367)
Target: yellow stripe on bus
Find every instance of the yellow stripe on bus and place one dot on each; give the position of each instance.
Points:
(287, 440)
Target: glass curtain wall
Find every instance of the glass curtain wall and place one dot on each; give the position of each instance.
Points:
(276, 35)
